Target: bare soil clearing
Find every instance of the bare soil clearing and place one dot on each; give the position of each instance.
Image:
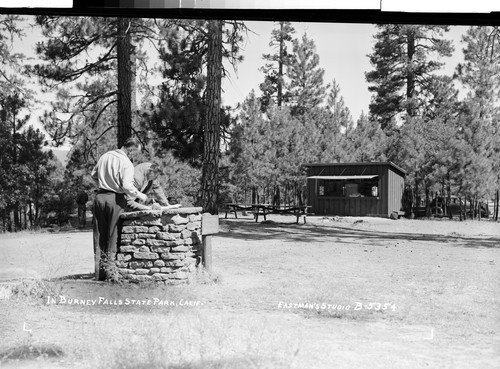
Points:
(279, 299)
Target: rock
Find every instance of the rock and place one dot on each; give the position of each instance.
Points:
(174, 243)
(174, 228)
(179, 249)
(165, 236)
(156, 243)
(137, 264)
(146, 235)
(159, 263)
(175, 263)
(193, 226)
(195, 218)
(160, 249)
(149, 222)
(142, 215)
(128, 236)
(178, 219)
(140, 278)
(146, 255)
(173, 256)
(129, 249)
(128, 229)
(186, 234)
(160, 276)
(123, 257)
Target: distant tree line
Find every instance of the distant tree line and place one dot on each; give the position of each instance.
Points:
(160, 80)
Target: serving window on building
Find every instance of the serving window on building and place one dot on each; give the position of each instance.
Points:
(347, 186)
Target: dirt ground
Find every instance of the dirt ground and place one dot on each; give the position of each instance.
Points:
(335, 292)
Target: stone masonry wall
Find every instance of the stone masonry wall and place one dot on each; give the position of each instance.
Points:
(159, 245)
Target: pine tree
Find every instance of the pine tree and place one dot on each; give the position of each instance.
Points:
(177, 115)
(211, 123)
(305, 77)
(24, 166)
(441, 99)
(21, 157)
(404, 58)
(274, 70)
(81, 52)
(479, 129)
(336, 128)
(367, 142)
(252, 149)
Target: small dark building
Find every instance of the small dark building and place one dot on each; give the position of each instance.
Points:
(355, 189)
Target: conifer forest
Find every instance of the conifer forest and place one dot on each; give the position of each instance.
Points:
(100, 80)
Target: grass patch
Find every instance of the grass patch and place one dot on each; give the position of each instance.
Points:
(205, 277)
(191, 339)
(35, 289)
(30, 350)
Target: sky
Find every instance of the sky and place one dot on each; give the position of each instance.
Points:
(342, 49)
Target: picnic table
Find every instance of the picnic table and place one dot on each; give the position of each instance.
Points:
(266, 209)
(234, 208)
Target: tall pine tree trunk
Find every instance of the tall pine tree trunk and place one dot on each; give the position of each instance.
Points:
(280, 66)
(497, 200)
(448, 189)
(31, 214)
(410, 78)
(17, 204)
(427, 201)
(124, 51)
(211, 124)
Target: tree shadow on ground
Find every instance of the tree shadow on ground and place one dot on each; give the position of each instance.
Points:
(292, 232)
(74, 277)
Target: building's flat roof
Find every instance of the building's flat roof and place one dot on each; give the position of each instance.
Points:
(343, 177)
(389, 163)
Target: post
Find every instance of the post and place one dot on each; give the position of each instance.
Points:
(209, 226)
(206, 255)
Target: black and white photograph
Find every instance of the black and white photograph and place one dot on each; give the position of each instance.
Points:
(206, 185)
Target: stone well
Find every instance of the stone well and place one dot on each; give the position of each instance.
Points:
(159, 245)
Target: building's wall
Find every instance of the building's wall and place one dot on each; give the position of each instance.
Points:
(389, 199)
(396, 189)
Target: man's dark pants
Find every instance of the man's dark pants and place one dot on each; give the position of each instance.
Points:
(107, 209)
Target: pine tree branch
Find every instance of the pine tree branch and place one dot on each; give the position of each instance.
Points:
(103, 133)
(94, 123)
